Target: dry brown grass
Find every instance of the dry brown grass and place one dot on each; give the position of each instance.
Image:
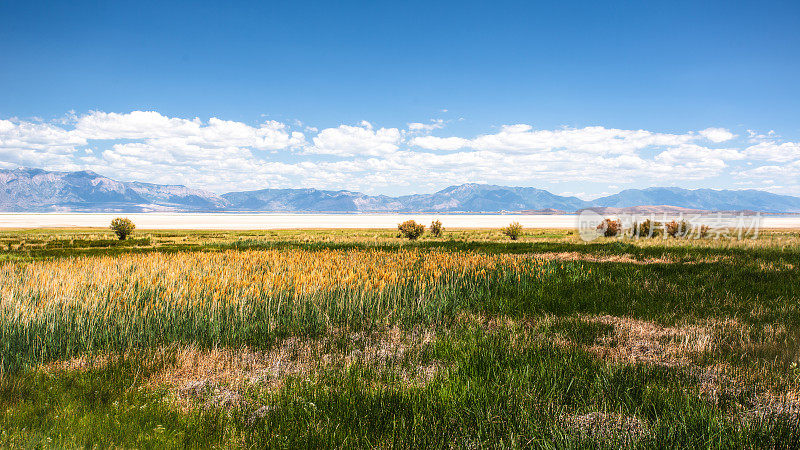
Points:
(81, 363)
(635, 341)
(625, 258)
(693, 349)
(218, 376)
(601, 427)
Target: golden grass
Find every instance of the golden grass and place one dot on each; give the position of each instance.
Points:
(186, 280)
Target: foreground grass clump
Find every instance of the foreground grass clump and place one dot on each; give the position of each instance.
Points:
(359, 339)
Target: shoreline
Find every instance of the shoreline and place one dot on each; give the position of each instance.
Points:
(286, 221)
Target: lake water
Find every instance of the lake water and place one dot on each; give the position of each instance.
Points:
(288, 221)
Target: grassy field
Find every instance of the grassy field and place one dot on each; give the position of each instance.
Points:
(357, 338)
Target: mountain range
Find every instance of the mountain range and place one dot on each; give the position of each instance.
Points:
(37, 190)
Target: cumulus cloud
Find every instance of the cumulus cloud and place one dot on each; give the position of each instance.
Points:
(426, 127)
(153, 126)
(224, 155)
(712, 157)
(348, 140)
(439, 143)
(717, 134)
(774, 152)
(523, 138)
(36, 144)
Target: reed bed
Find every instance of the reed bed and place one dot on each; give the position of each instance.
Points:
(357, 339)
(60, 308)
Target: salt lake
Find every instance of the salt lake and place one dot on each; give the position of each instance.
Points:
(240, 221)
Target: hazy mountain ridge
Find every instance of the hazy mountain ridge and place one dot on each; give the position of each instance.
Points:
(308, 200)
(36, 190)
(486, 197)
(703, 199)
(466, 197)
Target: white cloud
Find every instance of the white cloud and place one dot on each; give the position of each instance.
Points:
(224, 155)
(153, 126)
(696, 153)
(134, 125)
(348, 141)
(426, 127)
(717, 134)
(755, 136)
(438, 143)
(523, 138)
(37, 136)
(36, 144)
(774, 152)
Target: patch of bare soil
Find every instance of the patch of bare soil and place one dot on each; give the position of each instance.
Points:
(750, 401)
(607, 427)
(637, 341)
(218, 376)
(640, 341)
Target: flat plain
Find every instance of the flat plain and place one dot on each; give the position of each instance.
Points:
(358, 338)
(284, 221)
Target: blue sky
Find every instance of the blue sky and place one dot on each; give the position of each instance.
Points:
(547, 94)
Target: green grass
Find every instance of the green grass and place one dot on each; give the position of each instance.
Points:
(514, 358)
(497, 391)
(100, 407)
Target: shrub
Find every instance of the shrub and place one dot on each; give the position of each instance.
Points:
(678, 229)
(436, 228)
(649, 228)
(610, 227)
(513, 230)
(411, 229)
(122, 227)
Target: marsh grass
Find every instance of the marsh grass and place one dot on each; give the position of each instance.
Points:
(497, 387)
(545, 342)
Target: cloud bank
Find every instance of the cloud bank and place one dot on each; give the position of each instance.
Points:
(222, 155)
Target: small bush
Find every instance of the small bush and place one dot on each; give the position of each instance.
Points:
(513, 230)
(610, 228)
(122, 227)
(436, 228)
(678, 229)
(649, 228)
(411, 229)
(682, 229)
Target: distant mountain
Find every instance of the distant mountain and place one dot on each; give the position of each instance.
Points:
(486, 197)
(649, 209)
(466, 197)
(703, 199)
(660, 209)
(308, 200)
(38, 190)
